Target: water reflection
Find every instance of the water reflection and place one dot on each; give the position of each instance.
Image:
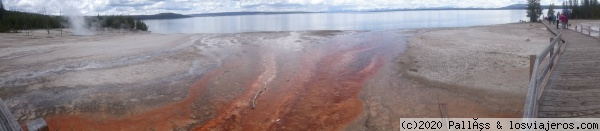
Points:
(337, 21)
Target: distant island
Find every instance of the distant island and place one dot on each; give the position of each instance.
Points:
(160, 16)
(524, 6)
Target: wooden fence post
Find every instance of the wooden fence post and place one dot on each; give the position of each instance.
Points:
(531, 64)
(552, 48)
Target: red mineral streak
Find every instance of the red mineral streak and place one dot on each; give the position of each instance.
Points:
(326, 99)
(320, 94)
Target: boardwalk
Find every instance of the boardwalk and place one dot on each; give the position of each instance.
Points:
(573, 89)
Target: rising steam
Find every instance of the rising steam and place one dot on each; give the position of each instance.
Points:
(78, 25)
(76, 19)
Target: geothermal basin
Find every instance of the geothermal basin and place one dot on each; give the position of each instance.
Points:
(302, 80)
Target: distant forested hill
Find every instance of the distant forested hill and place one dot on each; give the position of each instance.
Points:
(243, 13)
(522, 6)
(160, 16)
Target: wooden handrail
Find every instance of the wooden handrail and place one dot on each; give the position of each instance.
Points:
(589, 29)
(531, 101)
(7, 120)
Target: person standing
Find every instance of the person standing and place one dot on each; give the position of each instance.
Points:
(552, 18)
(566, 13)
(557, 20)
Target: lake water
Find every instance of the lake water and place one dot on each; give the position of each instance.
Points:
(337, 21)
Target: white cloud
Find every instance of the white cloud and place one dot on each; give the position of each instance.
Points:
(92, 7)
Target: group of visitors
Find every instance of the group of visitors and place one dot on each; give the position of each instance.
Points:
(560, 18)
(563, 19)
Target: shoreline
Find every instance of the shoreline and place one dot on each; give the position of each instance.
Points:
(67, 32)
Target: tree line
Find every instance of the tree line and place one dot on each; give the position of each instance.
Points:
(14, 21)
(584, 9)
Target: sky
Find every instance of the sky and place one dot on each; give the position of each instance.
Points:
(148, 7)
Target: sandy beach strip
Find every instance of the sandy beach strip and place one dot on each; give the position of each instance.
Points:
(486, 57)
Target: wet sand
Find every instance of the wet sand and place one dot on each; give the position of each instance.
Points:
(315, 80)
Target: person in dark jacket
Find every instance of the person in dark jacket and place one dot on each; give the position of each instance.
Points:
(557, 20)
(552, 18)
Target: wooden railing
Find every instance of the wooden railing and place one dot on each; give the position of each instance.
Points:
(9, 123)
(7, 120)
(552, 51)
(589, 28)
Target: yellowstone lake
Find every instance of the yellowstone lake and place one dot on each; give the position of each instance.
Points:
(389, 20)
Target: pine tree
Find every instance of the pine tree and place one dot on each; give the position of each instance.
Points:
(534, 10)
(586, 7)
(3, 25)
(574, 6)
(1, 10)
(577, 7)
(594, 11)
(140, 25)
(550, 10)
(1, 6)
